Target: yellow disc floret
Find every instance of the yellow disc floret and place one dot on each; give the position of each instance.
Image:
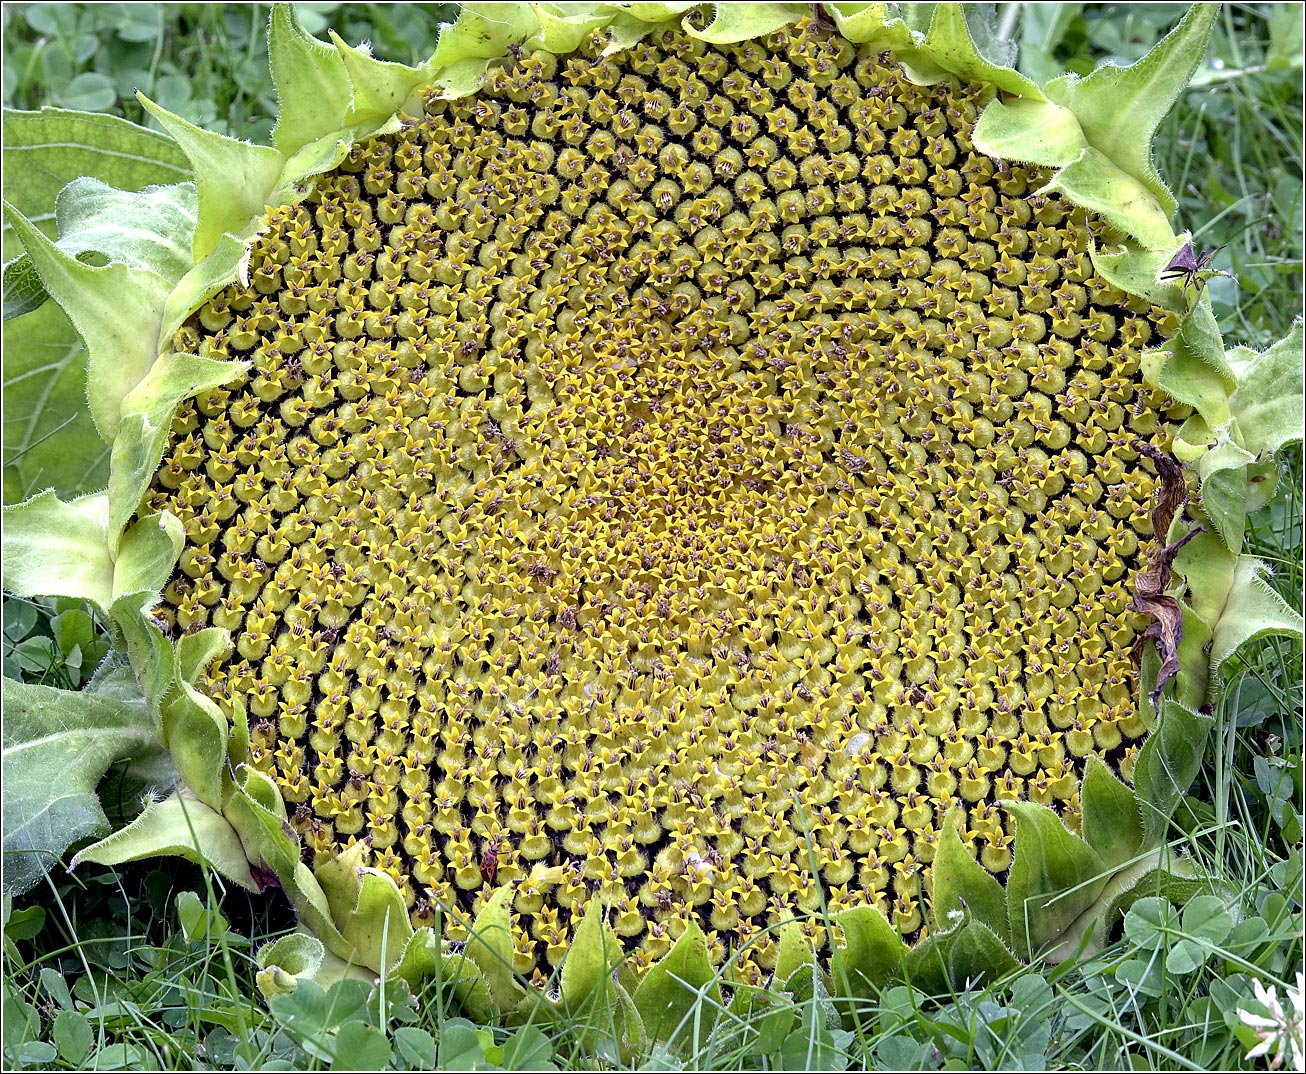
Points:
(697, 468)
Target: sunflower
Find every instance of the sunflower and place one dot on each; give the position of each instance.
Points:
(668, 491)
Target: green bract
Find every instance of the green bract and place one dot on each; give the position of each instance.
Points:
(168, 252)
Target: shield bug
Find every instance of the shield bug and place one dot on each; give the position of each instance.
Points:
(489, 862)
(1193, 268)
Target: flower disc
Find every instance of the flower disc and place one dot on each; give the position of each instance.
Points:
(696, 468)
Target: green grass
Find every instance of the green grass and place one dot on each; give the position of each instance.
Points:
(151, 966)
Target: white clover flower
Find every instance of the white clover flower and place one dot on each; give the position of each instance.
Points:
(1281, 1031)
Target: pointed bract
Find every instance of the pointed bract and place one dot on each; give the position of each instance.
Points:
(1120, 108)
(235, 180)
(313, 93)
(118, 311)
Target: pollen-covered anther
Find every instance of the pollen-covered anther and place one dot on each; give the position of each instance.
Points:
(672, 471)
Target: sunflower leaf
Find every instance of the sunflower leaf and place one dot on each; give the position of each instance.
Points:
(963, 43)
(966, 951)
(46, 150)
(50, 439)
(490, 949)
(1096, 183)
(54, 548)
(1055, 877)
(284, 962)
(1166, 766)
(1143, 92)
(380, 89)
(1029, 131)
(116, 308)
(180, 825)
(743, 22)
(588, 965)
(146, 417)
(58, 744)
(313, 95)
(795, 951)
(668, 997)
(961, 883)
(1251, 610)
(872, 950)
(1268, 402)
(234, 179)
(1195, 370)
(1110, 820)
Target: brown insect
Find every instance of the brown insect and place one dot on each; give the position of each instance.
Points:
(1193, 268)
(489, 862)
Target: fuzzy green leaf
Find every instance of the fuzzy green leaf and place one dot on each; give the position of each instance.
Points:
(422, 959)
(380, 89)
(180, 825)
(561, 34)
(57, 549)
(149, 651)
(50, 439)
(587, 968)
(1029, 131)
(1166, 766)
(192, 727)
(490, 949)
(1194, 678)
(202, 282)
(481, 33)
(1110, 820)
(952, 959)
(146, 418)
(669, 993)
(46, 150)
(378, 927)
(795, 951)
(871, 952)
(23, 290)
(339, 879)
(1225, 471)
(1195, 370)
(1252, 610)
(632, 1041)
(1055, 877)
(1120, 108)
(1137, 271)
(284, 962)
(149, 550)
(58, 744)
(270, 841)
(962, 42)
(116, 308)
(960, 883)
(1269, 400)
(235, 180)
(313, 96)
(732, 23)
(879, 24)
(150, 229)
(1208, 568)
(1094, 182)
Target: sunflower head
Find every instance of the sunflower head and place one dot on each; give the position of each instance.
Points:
(650, 492)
